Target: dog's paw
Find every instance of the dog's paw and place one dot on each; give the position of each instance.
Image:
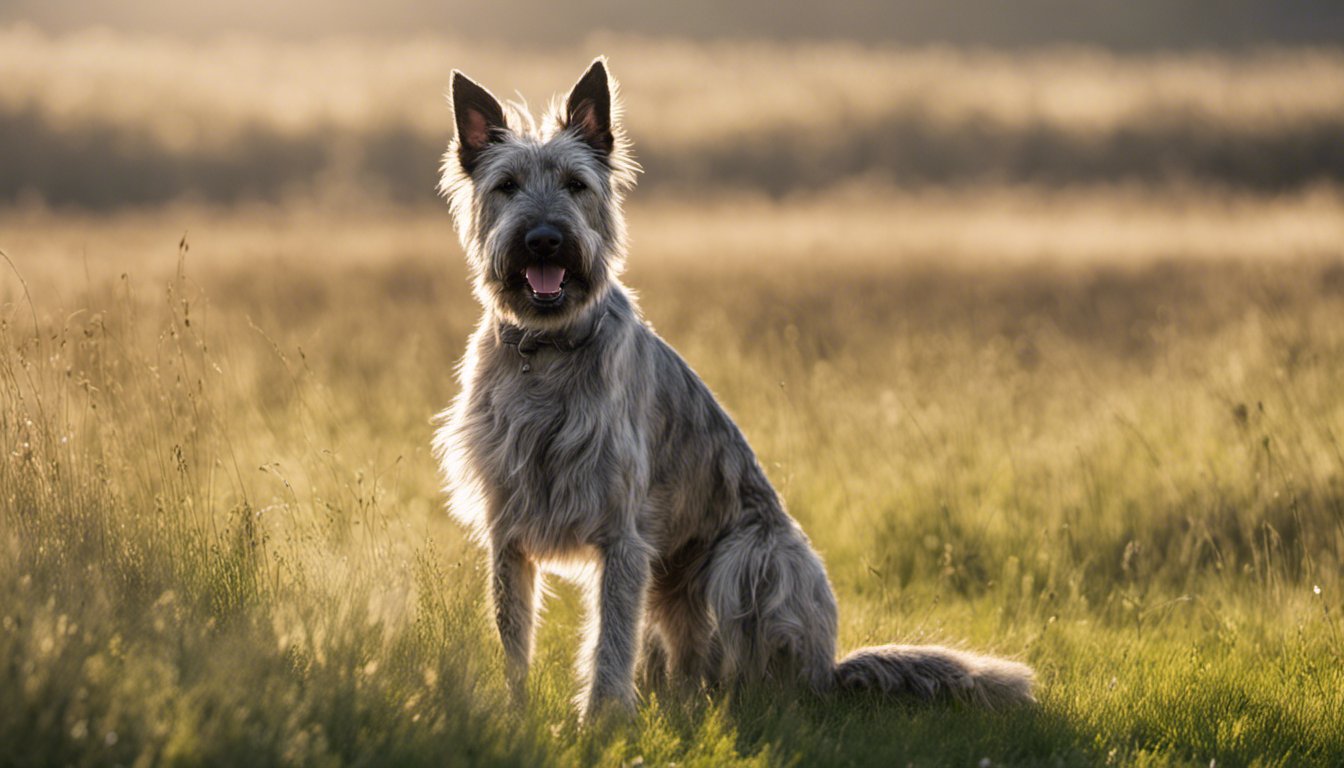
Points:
(517, 681)
(600, 709)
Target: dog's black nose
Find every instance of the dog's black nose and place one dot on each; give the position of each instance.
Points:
(544, 240)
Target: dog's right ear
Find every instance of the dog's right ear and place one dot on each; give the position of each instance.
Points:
(480, 120)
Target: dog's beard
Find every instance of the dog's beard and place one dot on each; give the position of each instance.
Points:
(544, 293)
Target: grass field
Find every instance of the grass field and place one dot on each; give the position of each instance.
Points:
(1097, 431)
(1043, 349)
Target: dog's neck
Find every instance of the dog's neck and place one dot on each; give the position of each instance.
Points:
(568, 339)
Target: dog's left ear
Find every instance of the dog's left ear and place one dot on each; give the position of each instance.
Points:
(588, 111)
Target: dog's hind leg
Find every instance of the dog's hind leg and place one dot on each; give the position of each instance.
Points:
(687, 635)
(513, 588)
(652, 668)
(775, 611)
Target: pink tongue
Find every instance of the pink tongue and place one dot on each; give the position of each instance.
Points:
(545, 278)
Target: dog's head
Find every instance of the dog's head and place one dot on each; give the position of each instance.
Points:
(538, 206)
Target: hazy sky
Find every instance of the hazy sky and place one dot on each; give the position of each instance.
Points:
(1120, 24)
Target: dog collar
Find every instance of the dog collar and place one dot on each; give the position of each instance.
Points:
(527, 342)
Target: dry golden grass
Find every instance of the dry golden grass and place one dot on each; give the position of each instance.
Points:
(223, 537)
(859, 225)
(1043, 351)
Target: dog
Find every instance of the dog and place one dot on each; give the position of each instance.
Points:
(581, 444)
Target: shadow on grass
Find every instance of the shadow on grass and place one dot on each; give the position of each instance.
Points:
(774, 726)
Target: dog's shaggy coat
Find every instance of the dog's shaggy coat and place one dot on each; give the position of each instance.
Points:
(581, 443)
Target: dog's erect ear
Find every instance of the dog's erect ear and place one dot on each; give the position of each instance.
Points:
(480, 120)
(588, 112)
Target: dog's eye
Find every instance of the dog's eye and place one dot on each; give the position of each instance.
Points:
(575, 185)
(507, 187)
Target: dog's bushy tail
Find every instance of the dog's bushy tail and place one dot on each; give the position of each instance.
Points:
(934, 672)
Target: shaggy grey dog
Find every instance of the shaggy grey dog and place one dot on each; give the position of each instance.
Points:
(582, 444)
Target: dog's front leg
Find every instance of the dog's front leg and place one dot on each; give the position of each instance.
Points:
(513, 584)
(620, 610)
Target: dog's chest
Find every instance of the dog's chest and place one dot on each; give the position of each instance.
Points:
(544, 440)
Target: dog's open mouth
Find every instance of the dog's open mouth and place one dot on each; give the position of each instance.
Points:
(547, 282)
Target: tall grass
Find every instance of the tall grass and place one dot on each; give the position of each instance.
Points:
(223, 538)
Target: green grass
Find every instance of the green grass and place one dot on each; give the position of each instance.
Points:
(222, 539)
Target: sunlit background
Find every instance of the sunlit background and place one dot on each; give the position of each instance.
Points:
(1033, 309)
(111, 105)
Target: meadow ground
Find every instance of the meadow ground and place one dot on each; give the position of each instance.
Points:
(1100, 431)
